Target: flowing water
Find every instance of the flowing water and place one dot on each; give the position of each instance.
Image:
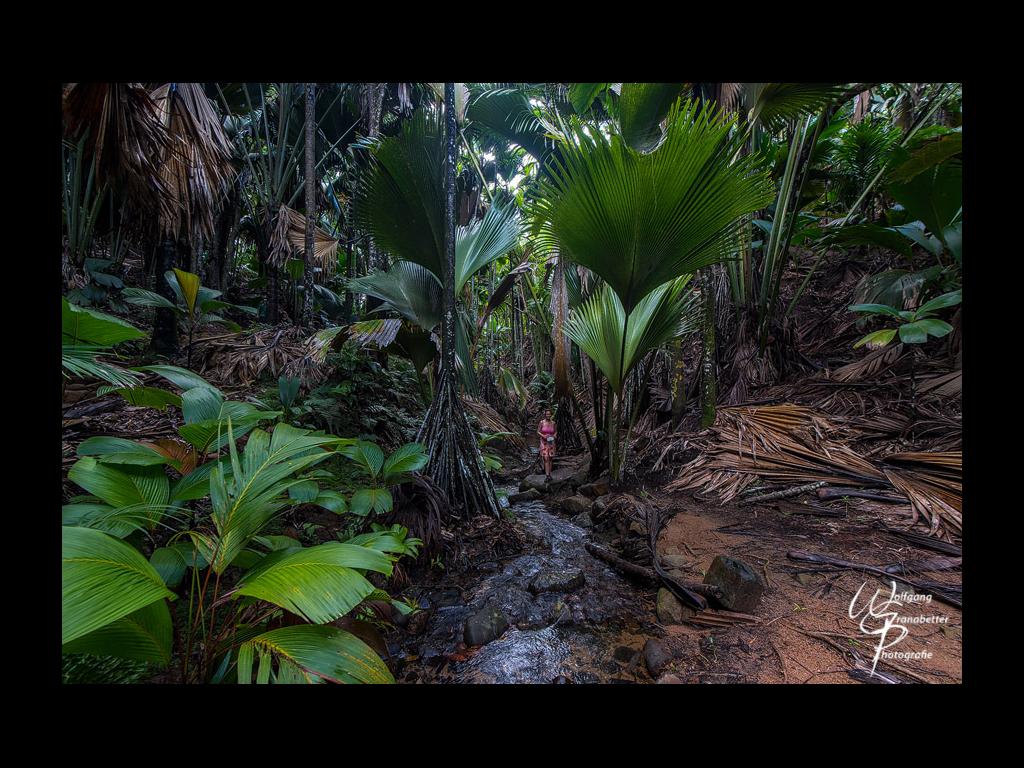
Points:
(577, 635)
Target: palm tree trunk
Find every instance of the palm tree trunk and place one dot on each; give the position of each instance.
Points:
(708, 372)
(306, 315)
(165, 323)
(455, 462)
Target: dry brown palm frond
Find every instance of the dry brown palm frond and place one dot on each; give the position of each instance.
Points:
(281, 248)
(125, 139)
(870, 365)
(944, 385)
(380, 332)
(787, 443)
(277, 351)
(196, 168)
(325, 247)
(492, 421)
(730, 94)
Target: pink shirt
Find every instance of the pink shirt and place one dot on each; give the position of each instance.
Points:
(547, 428)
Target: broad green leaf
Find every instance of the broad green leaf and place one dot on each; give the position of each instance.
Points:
(140, 297)
(315, 654)
(411, 457)
(117, 450)
(200, 404)
(950, 299)
(642, 108)
(367, 500)
(97, 516)
(145, 635)
(170, 563)
(367, 455)
(875, 309)
(914, 333)
(934, 327)
(877, 339)
(102, 580)
(151, 397)
(80, 325)
(179, 377)
(304, 492)
(320, 583)
(639, 221)
(146, 488)
(331, 500)
(189, 284)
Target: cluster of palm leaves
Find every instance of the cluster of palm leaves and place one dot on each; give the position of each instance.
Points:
(119, 602)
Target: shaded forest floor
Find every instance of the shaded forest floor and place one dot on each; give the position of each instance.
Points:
(609, 630)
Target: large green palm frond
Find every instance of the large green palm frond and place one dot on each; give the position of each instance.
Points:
(311, 654)
(256, 489)
(400, 200)
(507, 112)
(102, 580)
(638, 221)
(642, 108)
(599, 324)
(773, 104)
(485, 241)
(408, 288)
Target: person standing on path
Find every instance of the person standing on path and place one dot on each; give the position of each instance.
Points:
(547, 432)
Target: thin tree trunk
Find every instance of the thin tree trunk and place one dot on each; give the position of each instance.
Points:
(165, 323)
(708, 372)
(306, 315)
(455, 462)
(678, 383)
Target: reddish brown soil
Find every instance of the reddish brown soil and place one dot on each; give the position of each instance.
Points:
(777, 650)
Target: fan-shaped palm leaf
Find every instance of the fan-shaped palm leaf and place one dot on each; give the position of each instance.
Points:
(409, 289)
(773, 104)
(639, 221)
(599, 324)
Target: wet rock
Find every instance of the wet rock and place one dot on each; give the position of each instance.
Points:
(530, 494)
(417, 622)
(624, 653)
(485, 625)
(575, 505)
(579, 478)
(597, 488)
(741, 588)
(536, 483)
(583, 520)
(560, 580)
(447, 598)
(670, 610)
(657, 656)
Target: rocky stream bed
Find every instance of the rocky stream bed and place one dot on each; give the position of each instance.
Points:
(550, 614)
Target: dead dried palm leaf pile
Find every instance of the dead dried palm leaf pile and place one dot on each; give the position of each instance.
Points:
(933, 482)
(275, 350)
(792, 445)
(288, 240)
